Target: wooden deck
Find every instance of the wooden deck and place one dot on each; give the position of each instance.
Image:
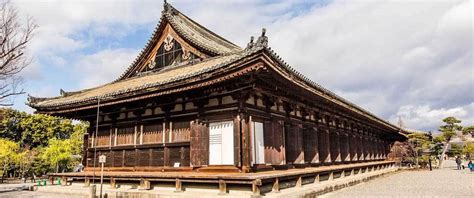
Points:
(256, 180)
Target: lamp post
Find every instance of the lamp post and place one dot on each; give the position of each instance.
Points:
(102, 159)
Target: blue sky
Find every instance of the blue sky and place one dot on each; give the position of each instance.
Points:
(409, 59)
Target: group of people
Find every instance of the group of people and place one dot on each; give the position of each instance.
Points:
(470, 165)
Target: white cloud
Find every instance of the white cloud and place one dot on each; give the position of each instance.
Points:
(426, 117)
(104, 66)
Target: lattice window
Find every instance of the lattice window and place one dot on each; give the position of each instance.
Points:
(170, 53)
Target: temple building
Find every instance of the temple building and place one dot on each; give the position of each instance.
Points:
(193, 101)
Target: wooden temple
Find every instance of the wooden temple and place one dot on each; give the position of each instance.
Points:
(193, 101)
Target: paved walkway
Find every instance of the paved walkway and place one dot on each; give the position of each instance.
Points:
(446, 182)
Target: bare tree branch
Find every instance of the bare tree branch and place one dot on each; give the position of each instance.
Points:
(14, 37)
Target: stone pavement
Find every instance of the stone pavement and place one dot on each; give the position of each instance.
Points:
(446, 182)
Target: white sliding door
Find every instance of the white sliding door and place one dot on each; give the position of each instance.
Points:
(258, 147)
(221, 143)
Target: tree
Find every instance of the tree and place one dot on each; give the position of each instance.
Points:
(14, 38)
(418, 142)
(8, 155)
(468, 130)
(60, 153)
(448, 130)
(33, 130)
(456, 149)
(468, 150)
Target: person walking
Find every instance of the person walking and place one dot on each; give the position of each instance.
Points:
(470, 165)
(458, 162)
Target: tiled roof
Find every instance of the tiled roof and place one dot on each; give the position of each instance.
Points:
(151, 80)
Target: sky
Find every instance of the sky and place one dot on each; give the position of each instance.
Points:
(396, 58)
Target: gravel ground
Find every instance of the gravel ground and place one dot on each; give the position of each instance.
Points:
(446, 182)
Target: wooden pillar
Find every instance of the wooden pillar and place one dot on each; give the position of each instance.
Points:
(324, 146)
(85, 147)
(246, 144)
(237, 140)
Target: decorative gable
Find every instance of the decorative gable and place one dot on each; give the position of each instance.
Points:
(178, 40)
(170, 50)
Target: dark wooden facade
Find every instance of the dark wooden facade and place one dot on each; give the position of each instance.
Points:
(167, 126)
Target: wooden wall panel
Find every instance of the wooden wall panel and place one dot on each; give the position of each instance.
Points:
(199, 144)
(310, 141)
(143, 156)
(185, 156)
(273, 140)
(118, 158)
(324, 146)
(174, 155)
(157, 157)
(130, 159)
(335, 146)
(294, 144)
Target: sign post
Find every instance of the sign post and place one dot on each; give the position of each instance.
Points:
(102, 159)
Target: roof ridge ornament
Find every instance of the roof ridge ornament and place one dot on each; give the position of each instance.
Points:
(251, 43)
(262, 41)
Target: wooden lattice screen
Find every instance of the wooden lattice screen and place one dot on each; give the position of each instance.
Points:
(125, 135)
(153, 133)
(181, 132)
(103, 137)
